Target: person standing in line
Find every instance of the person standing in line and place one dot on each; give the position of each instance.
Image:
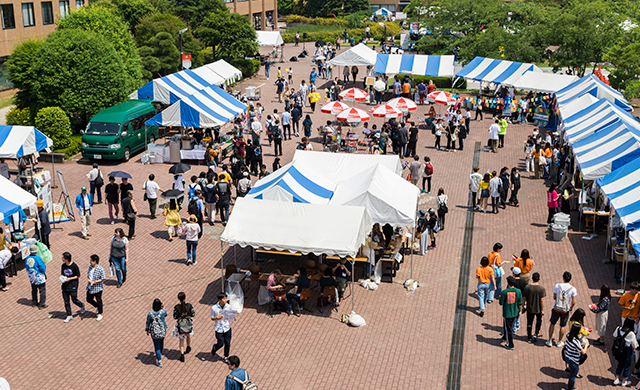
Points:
(504, 177)
(415, 169)
(95, 285)
(191, 231)
(574, 352)
(111, 192)
(183, 313)
(428, 173)
(83, 203)
(238, 377)
(474, 183)
(484, 274)
(552, 202)
(602, 314)
(151, 188)
(515, 187)
(511, 302)
(623, 368)
(443, 206)
(494, 184)
(44, 230)
(421, 232)
(413, 140)
(485, 192)
(70, 273)
(564, 297)
(221, 326)
(130, 214)
(37, 273)
(502, 121)
(438, 133)
(96, 181)
(432, 225)
(157, 328)
(494, 129)
(534, 295)
(119, 255)
(125, 186)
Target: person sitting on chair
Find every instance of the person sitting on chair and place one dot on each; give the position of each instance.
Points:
(302, 283)
(273, 284)
(342, 271)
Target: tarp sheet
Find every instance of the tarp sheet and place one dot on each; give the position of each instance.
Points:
(269, 38)
(13, 198)
(418, 65)
(338, 167)
(542, 82)
(592, 85)
(495, 71)
(297, 227)
(359, 55)
(19, 141)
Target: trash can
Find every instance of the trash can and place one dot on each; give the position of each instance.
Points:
(562, 219)
(559, 232)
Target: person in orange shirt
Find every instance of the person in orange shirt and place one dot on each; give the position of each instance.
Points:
(484, 274)
(629, 303)
(537, 152)
(495, 261)
(548, 156)
(525, 263)
(406, 89)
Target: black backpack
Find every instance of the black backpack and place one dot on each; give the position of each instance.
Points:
(619, 347)
(193, 207)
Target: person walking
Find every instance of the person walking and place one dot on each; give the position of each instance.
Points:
(43, 227)
(37, 273)
(222, 327)
(533, 296)
(474, 183)
(95, 285)
(552, 202)
(286, 124)
(196, 207)
(602, 313)
(209, 194)
(495, 184)
(428, 173)
(183, 313)
(443, 206)
(574, 352)
(223, 194)
(485, 192)
(515, 187)
(191, 231)
(485, 275)
(130, 213)
(415, 170)
(238, 379)
(354, 73)
(345, 74)
(276, 134)
(111, 192)
(119, 255)
(172, 218)
(511, 302)
(125, 186)
(494, 129)
(626, 332)
(156, 327)
(96, 181)
(69, 276)
(151, 189)
(495, 261)
(504, 177)
(296, 115)
(83, 203)
(564, 296)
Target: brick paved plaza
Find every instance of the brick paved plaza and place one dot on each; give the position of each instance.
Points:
(405, 344)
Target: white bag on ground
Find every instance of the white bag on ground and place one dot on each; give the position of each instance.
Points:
(263, 296)
(411, 284)
(377, 273)
(356, 320)
(235, 296)
(369, 284)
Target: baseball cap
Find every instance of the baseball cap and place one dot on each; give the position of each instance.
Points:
(39, 203)
(83, 189)
(516, 270)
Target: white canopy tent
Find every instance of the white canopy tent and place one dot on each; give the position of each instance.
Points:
(359, 55)
(387, 197)
(209, 76)
(542, 82)
(339, 167)
(269, 38)
(222, 68)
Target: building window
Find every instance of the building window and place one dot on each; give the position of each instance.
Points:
(47, 12)
(28, 17)
(79, 4)
(8, 20)
(64, 8)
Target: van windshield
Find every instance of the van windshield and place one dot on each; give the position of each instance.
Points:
(102, 128)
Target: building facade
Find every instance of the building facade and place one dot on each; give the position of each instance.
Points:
(261, 12)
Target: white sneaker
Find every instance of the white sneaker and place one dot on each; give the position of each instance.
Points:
(69, 318)
(626, 383)
(82, 310)
(113, 222)
(99, 317)
(560, 344)
(549, 343)
(616, 382)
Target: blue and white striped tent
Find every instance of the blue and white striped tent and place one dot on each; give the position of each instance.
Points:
(600, 153)
(19, 141)
(418, 65)
(180, 114)
(294, 183)
(595, 117)
(590, 84)
(622, 188)
(181, 83)
(13, 198)
(495, 71)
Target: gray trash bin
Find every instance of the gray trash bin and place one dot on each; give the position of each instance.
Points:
(559, 232)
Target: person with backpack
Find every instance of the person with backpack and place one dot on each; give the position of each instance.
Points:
(157, 328)
(223, 193)
(196, 208)
(183, 313)
(96, 181)
(276, 134)
(574, 353)
(427, 174)
(564, 296)
(624, 343)
(434, 228)
(209, 194)
(443, 206)
(511, 302)
(238, 379)
(421, 231)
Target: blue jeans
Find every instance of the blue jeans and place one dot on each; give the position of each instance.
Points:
(497, 290)
(158, 346)
(574, 368)
(191, 250)
(223, 205)
(625, 366)
(120, 265)
(516, 324)
(93, 188)
(484, 291)
(290, 298)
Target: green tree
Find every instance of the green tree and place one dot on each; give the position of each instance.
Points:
(54, 123)
(194, 12)
(19, 64)
(131, 11)
(229, 35)
(625, 57)
(162, 55)
(111, 27)
(81, 72)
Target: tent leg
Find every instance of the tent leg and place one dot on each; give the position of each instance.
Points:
(413, 235)
(222, 263)
(235, 255)
(353, 268)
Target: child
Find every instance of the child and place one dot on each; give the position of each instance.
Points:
(602, 313)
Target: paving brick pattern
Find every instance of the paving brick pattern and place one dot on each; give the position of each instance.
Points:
(405, 344)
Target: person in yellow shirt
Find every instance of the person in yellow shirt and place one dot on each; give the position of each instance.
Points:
(484, 274)
(224, 175)
(629, 303)
(525, 264)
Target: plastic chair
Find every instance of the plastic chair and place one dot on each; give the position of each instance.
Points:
(311, 267)
(328, 293)
(230, 270)
(278, 296)
(304, 295)
(255, 272)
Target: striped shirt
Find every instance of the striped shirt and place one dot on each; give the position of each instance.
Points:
(574, 350)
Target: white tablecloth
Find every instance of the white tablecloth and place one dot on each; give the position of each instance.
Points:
(192, 154)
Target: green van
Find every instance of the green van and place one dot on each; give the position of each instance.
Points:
(116, 132)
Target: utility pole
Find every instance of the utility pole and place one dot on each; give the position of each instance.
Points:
(184, 30)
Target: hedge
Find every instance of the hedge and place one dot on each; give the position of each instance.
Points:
(19, 117)
(73, 148)
(317, 21)
(246, 66)
(393, 29)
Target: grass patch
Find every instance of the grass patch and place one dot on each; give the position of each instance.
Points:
(7, 101)
(73, 148)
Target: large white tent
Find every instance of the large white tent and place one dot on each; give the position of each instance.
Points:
(297, 227)
(294, 183)
(542, 82)
(339, 167)
(228, 72)
(387, 196)
(211, 77)
(359, 55)
(269, 38)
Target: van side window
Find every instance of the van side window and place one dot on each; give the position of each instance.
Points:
(125, 126)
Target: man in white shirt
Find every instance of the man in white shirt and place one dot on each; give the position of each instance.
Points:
(494, 187)
(286, 124)
(569, 293)
(152, 188)
(494, 129)
(4, 169)
(221, 326)
(83, 203)
(474, 182)
(256, 131)
(96, 181)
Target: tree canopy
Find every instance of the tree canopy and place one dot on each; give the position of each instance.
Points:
(229, 35)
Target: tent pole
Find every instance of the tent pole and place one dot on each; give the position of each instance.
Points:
(53, 172)
(353, 268)
(413, 235)
(222, 264)
(235, 255)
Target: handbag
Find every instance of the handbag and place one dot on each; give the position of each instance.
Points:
(442, 207)
(131, 216)
(499, 272)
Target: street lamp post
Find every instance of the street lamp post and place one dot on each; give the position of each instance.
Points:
(184, 30)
